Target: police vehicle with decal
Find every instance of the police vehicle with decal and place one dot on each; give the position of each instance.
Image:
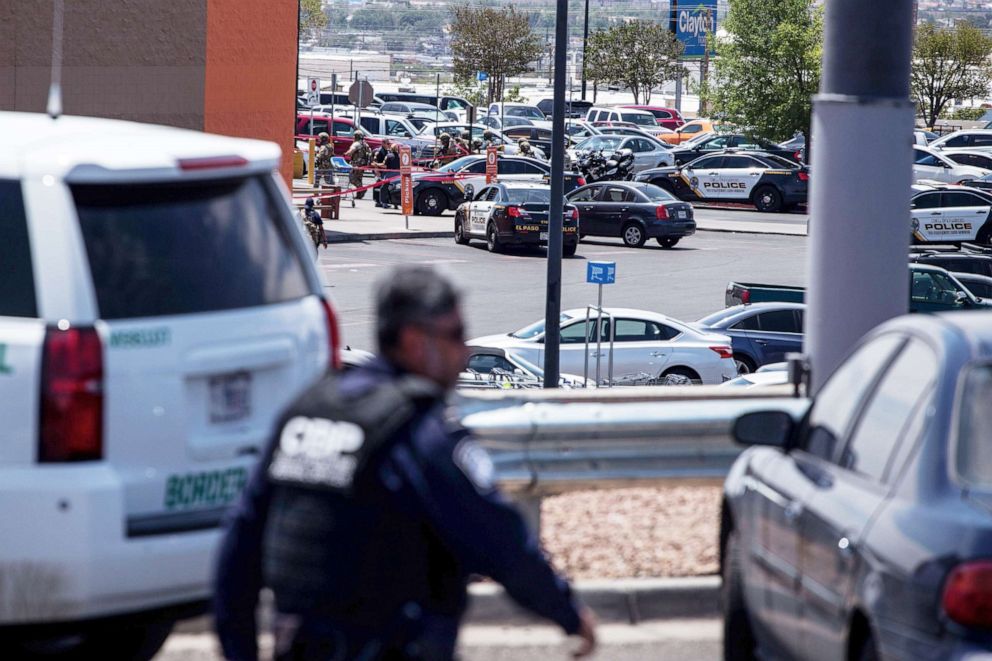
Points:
(437, 192)
(516, 213)
(950, 214)
(770, 182)
(158, 308)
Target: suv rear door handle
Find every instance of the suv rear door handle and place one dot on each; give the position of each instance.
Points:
(761, 342)
(657, 354)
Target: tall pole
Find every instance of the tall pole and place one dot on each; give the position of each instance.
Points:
(863, 107)
(552, 325)
(585, 41)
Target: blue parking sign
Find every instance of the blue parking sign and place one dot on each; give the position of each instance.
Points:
(601, 273)
(482, 76)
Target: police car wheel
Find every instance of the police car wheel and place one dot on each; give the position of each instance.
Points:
(432, 203)
(666, 243)
(767, 199)
(633, 235)
(984, 236)
(492, 239)
(568, 250)
(460, 237)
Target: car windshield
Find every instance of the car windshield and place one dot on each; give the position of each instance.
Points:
(600, 142)
(535, 329)
(639, 119)
(974, 452)
(458, 164)
(529, 195)
(527, 365)
(656, 194)
(523, 111)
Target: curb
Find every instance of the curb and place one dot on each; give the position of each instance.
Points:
(345, 237)
(626, 601)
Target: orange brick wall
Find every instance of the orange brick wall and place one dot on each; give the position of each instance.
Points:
(250, 85)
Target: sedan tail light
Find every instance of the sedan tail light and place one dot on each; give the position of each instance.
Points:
(333, 334)
(581, 181)
(967, 597)
(71, 422)
(574, 214)
(515, 212)
(724, 351)
(661, 212)
(803, 175)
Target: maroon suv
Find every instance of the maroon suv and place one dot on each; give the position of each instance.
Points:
(670, 118)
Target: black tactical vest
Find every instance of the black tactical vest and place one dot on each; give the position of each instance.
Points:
(324, 550)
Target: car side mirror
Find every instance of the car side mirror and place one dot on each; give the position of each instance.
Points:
(469, 192)
(771, 428)
(961, 298)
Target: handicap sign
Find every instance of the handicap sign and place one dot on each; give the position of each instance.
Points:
(601, 273)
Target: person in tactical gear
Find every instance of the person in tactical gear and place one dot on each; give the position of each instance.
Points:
(360, 156)
(370, 508)
(314, 224)
(322, 159)
(523, 146)
(444, 151)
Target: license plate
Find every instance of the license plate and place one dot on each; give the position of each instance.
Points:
(544, 236)
(683, 214)
(207, 489)
(230, 397)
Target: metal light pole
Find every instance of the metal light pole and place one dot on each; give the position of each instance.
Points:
(585, 40)
(552, 325)
(859, 240)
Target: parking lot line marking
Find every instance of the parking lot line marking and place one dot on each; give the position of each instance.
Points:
(349, 266)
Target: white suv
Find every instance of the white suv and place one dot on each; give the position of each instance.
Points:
(158, 308)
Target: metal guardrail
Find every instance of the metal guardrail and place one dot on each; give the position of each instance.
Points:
(544, 442)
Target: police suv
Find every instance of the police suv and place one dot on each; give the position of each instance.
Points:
(157, 309)
(950, 214)
(770, 182)
(513, 214)
(436, 192)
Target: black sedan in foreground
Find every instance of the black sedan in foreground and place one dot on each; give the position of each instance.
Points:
(633, 211)
(860, 526)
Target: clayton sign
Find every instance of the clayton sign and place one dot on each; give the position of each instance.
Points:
(693, 23)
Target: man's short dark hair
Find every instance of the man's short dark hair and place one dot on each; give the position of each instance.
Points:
(411, 296)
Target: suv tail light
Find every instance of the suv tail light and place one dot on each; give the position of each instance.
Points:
(967, 597)
(333, 334)
(515, 212)
(746, 296)
(803, 175)
(724, 351)
(661, 212)
(70, 427)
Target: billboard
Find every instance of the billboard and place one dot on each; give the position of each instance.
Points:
(693, 21)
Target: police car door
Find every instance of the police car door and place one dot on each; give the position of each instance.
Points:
(926, 215)
(964, 214)
(701, 174)
(481, 209)
(737, 176)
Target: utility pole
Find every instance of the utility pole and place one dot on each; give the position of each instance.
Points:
(585, 41)
(858, 241)
(552, 312)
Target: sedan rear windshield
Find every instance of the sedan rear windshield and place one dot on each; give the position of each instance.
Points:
(974, 451)
(657, 194)
(529, 196)
(639, 119)
(182, 248)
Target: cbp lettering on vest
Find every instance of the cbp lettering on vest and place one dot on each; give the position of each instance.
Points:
(370, 509)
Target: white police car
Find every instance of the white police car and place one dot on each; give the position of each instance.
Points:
(950, 214)
(157, 310)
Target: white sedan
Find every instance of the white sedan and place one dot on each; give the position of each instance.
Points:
(644, 343)
(930, 165)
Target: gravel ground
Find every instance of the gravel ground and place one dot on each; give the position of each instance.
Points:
(628, 533)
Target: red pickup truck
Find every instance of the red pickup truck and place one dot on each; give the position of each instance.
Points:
(342, 136)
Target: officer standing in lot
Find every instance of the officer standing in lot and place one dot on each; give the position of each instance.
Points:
(359, 155)
(370, 509)
(322, 159)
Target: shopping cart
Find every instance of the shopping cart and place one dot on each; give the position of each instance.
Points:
(340, 170)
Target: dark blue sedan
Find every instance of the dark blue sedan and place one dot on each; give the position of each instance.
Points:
(760, 333)
(861, 528)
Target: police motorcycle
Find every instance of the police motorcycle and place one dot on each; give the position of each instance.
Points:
(596, 166)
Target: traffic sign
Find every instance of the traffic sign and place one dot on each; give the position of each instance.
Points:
(491, 167)
(482, 76)
(313, 91)
(360, 94)
(601, 273)
(406, 180)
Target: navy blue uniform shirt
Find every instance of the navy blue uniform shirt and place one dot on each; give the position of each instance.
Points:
(433, 474)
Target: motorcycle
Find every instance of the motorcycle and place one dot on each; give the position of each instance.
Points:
(596, 166)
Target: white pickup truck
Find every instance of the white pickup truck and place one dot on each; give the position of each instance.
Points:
(158, 307)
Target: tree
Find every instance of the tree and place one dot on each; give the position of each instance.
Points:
(497, 41)
(639, 54)
(949, 64)
(768, 66)
(312, 18)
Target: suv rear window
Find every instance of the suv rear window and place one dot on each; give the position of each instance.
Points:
(17, 296)
(165, 249)
(974, 452)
